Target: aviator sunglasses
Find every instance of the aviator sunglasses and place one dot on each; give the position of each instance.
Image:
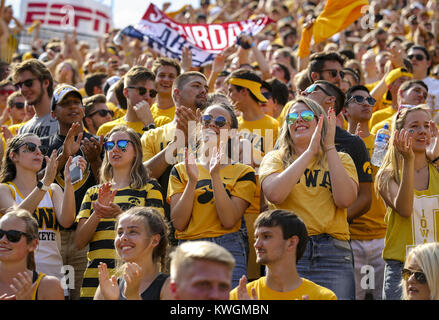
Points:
(306, 115)
(220, 121)
(143, 90)
(121, 144)
(419, 276)
(14, 235)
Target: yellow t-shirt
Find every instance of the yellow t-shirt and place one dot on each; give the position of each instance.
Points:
(381, 115)
(156, 112)
(106, 127)
(311, 199)
(370, 225)
(239, 181)
(118, 112)
(309, 288)
(155, 140)
(404, 233)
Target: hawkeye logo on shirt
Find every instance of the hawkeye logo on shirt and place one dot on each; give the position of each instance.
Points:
(206, 186)
(367, 168)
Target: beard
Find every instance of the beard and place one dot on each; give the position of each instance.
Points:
(39, 98)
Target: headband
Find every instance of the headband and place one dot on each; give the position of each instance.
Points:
(253, 86)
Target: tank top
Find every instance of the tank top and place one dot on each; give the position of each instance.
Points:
(152, 292)
(36, 278)
(47, 256)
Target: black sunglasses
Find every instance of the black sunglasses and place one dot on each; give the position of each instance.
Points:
(220, 121)
(102, 113)
(31, 147)
(334, 72)
(19, 105)
(360, 99)
(143, 91)
(14, 235)
(28, 83)
(121, 144)
(418, 56)
(419, 276)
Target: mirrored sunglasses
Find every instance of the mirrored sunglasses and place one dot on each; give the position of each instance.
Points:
(219, 121)
(419, 276)
(306, 115)
(121, 144)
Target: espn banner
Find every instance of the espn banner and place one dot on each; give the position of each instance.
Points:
(168, 37)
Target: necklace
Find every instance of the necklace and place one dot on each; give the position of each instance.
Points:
(418, 170)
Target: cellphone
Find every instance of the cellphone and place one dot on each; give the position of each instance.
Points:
(75, 171)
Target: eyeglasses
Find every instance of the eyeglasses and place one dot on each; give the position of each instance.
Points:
(19, 105)
(32, 147)
(418, 56)
(334, 72)
(267, 95)
(121, 144)
(28, 83)
(220, 121)
(306, 115)
(14, 235)
(143, 91)
(6, 92)
(360, 99)
(102, 113)
(419, 276)
(313, 88)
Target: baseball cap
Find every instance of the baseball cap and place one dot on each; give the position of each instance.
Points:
(61, 91)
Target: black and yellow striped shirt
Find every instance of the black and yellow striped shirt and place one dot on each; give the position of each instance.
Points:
(101, 246)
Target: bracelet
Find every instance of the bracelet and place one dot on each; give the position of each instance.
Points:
(330, 148)
(436, 159)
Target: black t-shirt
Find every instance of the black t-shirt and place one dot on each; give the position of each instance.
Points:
(355, 147)
(88, 180)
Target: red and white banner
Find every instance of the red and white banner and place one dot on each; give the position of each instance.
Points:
(88, 17)
(168, 37)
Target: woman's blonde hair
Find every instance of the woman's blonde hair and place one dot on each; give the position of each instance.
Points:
(138, 174)
(427, 257)
(391, 167)
(286, 145)
(31, 229)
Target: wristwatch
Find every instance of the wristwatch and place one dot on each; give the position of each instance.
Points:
(149, 127)
(41, 186)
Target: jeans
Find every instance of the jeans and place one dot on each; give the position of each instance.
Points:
(392, 289)
(234, 243)
(329, 263)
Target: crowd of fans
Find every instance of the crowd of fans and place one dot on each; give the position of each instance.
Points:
(145, 177)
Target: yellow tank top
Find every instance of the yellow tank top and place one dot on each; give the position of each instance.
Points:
(37, 281)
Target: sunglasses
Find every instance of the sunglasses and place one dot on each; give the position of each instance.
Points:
(360, 99)
(334, 72)
(28, 83)
(32, 147)
(19, 105)
(220, 121)
(143, 91)
(14, 235)
(419, 276)
(6, 92)
(314, 87)
(102, 113)
(418, 56)
(121, 144)
(306, 115)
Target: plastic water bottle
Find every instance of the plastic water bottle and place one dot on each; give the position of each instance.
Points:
(380, 148)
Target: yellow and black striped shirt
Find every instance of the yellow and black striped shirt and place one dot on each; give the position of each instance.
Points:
(101, 246)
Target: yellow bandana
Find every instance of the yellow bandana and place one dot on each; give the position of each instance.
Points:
(253, 86)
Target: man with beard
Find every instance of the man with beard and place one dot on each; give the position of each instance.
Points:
(139, 90)
(35, 83)
(163, 146)
(280, 241)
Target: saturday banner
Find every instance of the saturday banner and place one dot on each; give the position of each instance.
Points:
(168, 37)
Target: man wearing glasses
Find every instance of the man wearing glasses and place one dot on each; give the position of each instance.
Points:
(421, 61)
(140, 92)
(326, 66)
(96, 113)
(16, 104)
(35, 82)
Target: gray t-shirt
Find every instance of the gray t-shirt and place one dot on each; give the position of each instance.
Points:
(42, 127)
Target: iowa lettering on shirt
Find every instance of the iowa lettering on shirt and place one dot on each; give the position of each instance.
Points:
(317, 178)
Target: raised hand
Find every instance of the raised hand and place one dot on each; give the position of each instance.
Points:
(109, 287)
(105, 194)
(143, 112)
(215, 160)
(51, 169)
(186, 59)
(22, 286)
(132, 277)
(92, 148)
(433, 148)
(330, 133)
(403, 143)
(190, 165)
(72, 145)
(314, 145)
(242, 290)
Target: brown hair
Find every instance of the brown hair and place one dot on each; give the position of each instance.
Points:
(38, 69)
